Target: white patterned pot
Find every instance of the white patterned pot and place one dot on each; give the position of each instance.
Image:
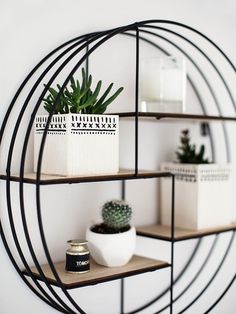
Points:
(78, 144)
(204, 195)
(112, 249)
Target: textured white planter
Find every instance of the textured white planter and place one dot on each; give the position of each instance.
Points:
(78, 144)
(203, 195)
(112, 249)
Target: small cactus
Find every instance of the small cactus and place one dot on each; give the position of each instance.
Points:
(116, 214)
(187, 152)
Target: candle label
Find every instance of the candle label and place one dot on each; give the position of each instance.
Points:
(77, 263)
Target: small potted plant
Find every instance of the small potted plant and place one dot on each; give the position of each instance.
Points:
(203, 190)
(112, 242)
(81, 139)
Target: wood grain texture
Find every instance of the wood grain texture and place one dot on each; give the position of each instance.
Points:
(98, 273)
(164, 232)
(176, 116)
(123, 174)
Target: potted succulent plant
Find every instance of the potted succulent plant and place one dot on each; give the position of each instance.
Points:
(112, 242)
(203, 190)
(81, 139)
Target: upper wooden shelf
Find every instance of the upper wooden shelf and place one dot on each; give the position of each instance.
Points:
(180, 234)
(177, 116)
(55, 179)
(98, 273)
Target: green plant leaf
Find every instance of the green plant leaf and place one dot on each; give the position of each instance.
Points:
(79, 97)
(102, 108)
(102, 98)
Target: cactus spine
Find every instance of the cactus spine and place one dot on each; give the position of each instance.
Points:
(116, 214)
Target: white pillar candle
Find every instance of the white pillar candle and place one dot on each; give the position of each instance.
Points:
(163, 84)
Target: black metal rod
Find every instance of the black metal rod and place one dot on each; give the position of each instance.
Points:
(21, 189)
(24, 152)
(203, 53)
(212, 277)
(172, 241)
(87, 63)
(40, 156)
(136, 100)
(52, 304)
(201, 102)
(184, 268)
(195, 276)
(28, 77)
(17, 244)
(8, 171)
(221, 296)
(132, 27)
(41, 229)
(145, 22)
(206, 260)
(206, 81)
(122, 283)
(225, 134)
(29, 243)
(123, 190)
(122, 295)
(217, 103)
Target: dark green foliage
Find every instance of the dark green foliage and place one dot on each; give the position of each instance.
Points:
(80, 98)
(116, 214)
(187, 152)
(62, 106)
(116, 218)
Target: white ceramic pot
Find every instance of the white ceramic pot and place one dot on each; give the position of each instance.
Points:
(204, 195)
(78, 144)
(112, 249)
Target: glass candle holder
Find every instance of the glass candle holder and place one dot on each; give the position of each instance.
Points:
(77, 257)
(163, 84)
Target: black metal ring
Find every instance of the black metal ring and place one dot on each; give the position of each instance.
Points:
(92, 38)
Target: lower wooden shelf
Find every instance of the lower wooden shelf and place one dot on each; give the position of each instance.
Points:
(123, 174)
(98, 273)
(164, 232)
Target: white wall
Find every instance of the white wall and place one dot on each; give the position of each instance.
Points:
(28, 30)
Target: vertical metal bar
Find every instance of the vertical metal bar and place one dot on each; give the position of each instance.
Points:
(123, 190)
(136, 99)
(172, 241)
(87, 63)
(122, 282)
(122, 295)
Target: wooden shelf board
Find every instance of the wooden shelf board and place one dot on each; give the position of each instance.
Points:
(98, 273)
(177, 116)
(123, 174)
(164, 232)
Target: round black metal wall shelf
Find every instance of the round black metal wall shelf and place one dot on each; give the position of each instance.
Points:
(49, 68)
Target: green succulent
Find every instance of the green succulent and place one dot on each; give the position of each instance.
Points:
(80, 98)
(187, 152)
(116, 214)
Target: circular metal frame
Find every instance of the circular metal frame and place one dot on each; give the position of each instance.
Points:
(69, 51)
